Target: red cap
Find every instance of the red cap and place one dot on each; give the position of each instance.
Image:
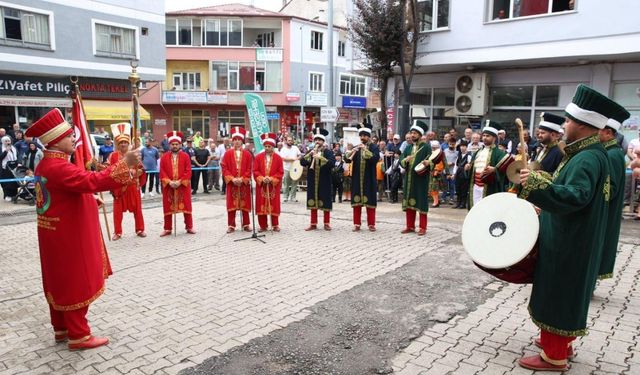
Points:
(50, 128)
(238, 132)
(174, 136)
(268, 138)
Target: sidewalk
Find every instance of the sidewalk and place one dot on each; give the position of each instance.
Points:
(491, 339)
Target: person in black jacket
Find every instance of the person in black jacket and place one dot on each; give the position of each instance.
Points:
(461, 176)
(337, 176)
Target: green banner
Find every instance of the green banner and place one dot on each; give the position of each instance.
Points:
(257, 118)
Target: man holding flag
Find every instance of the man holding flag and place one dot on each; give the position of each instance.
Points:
(72, 253)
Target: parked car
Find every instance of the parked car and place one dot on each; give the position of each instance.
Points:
(96, 141)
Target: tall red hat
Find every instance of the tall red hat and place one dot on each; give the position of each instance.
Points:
(121, 132)
(50, 128)
(174, 136)
(268, 138)
(238, 132)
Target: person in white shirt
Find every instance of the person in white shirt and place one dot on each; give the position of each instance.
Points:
(289, 154)
(219, 153)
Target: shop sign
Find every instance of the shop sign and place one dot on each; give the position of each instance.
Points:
(293, 96)
(217, 97)
(316, 98)
(54, 87)
(273, 116)
(34, 102)
(354, 102)
(160, 122)
(184, 97)
(269, 54)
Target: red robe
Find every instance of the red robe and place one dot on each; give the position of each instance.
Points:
(268, 195)
(72, 253)
(176, 200)
(238, 197)
(130, 195)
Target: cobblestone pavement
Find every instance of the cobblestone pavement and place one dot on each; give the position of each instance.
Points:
(175, 301)
(491, 339)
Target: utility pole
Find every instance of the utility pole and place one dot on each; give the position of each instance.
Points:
(331, 102)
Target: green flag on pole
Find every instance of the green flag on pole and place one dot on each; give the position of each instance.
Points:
(257, 118)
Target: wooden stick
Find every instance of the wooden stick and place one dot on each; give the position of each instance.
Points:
(106, 220)
(523, 152)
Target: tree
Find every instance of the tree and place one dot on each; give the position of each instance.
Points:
(376, 30)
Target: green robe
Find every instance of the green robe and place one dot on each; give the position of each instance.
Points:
(495, 155)
(415, 188)
(574, 205)
(616, 204)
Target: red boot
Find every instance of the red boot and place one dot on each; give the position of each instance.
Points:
(535, 362)
(92, 342)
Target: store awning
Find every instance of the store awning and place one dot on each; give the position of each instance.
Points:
(111, 110)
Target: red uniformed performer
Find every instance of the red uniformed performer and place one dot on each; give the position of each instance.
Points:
(72, 253)
(175, 176)
(126, 198)
(236, 168)
(268, 170)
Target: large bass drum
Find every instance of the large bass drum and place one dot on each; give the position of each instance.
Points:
(500, 234)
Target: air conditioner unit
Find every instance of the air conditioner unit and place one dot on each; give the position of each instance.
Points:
(471, 95)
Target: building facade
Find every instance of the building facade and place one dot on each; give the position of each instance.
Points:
(216, 54)
(521, 57)
(45, 43)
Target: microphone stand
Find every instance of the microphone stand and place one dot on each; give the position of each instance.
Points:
(254, 235)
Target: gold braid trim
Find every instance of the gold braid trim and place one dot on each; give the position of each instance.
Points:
(536, 181)
(557, 331)
(120, 173)
(605, 276)
(610, 143)
(75, 306)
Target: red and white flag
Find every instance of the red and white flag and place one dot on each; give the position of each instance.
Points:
(84, 150)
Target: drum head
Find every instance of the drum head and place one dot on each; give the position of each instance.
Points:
(436, 156)
(296, 170)
(500, 230)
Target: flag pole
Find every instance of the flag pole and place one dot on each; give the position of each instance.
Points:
(134, 78)
(74, 81)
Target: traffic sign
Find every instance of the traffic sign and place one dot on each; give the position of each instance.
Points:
(329, 114)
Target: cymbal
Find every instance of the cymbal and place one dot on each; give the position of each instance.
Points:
(513, 171)
(534, 166)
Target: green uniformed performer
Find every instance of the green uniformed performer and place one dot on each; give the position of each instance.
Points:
(548, 135)
(416, 185)
(617, 170)
(485, 177)
(574, 204)
(364, 187)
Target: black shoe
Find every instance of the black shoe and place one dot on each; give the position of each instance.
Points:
(207, 192)
(217, 188)
(193, 192)
(223, 192)
(340, 201)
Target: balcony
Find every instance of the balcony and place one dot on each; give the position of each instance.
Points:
(224, 32)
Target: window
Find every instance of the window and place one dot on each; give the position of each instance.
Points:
(503, 9)
(219, 75)
(316, 40)
(352, 85)
(190, 121)
(24, 28)
(266, 39)
(525, 102)
(341, 48)
(246, 76)
(316, 82)
(235, 32)
(211, 33)
(115, 41)
(186, 81)
(203, 32)
(227, 119)
(433, 14)
(184, 32)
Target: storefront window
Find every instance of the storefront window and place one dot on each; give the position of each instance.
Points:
(512, 96)
(227, 119)
(628, 95)
(547, 96)
(190, 121)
